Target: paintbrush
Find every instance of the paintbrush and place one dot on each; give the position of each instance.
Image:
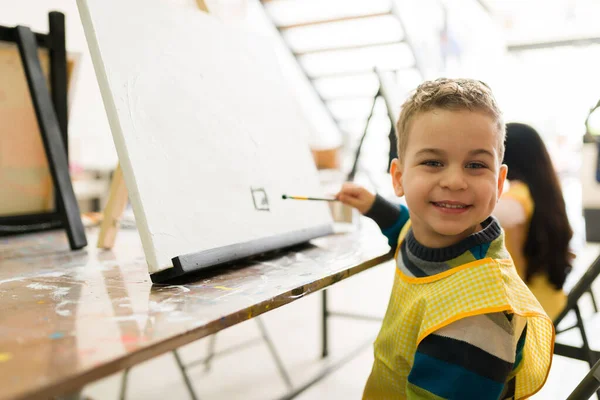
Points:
(285, 196)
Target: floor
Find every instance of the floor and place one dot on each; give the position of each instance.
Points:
(250, 372)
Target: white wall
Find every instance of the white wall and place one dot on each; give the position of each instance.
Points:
(90, 141)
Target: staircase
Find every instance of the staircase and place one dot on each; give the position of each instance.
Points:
(338, 44)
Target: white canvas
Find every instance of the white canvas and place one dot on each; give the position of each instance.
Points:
(200, 116)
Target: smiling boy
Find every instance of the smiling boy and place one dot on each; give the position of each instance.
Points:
(460, 323)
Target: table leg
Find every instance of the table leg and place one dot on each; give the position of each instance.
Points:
(324, 330)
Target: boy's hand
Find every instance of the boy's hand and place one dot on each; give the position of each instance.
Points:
(356, 196)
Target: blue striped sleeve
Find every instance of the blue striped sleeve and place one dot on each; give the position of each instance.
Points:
(389, 217)
(393, 231)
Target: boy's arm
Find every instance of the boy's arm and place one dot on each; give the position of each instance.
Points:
(472, 358)
(389, 217)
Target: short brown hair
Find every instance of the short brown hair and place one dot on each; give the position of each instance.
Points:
(449, 94)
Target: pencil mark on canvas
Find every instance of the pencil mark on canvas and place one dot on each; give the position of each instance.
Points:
(260, 199)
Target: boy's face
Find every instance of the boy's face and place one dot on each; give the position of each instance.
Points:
(450, 174)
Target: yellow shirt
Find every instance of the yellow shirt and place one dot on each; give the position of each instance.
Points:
(550, 298)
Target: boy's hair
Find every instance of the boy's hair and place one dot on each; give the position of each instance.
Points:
(449, 94)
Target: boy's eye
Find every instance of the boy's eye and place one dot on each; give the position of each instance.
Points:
(476, 165)
(431, 163)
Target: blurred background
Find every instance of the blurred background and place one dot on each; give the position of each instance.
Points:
(350, 64)
(539, 57)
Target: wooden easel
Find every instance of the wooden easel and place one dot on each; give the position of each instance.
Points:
(589, 385)
(117, 198)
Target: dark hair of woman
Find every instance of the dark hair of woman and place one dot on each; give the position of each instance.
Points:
(547, 245)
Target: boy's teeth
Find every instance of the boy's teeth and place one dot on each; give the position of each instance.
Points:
(449, 205)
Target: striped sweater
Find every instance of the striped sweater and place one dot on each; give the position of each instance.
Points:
(475, 357)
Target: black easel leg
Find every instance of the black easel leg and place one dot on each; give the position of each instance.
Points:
(591, 357)
(589, 385)
(124, 381)
(52, 138)
(354, 169)
(58, 71)
(211, 351)
(324, 315)
(594, 304)
(393, 153)
(186, 378)
(274, 353)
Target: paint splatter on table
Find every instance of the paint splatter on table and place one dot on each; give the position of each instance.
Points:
(68, 318)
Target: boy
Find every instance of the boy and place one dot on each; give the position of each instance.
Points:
(460, 323)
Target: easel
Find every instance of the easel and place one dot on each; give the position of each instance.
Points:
(117, 201)
(588, 386)
(115, 206)
(51, 113)
(583, 286)
(382, 91)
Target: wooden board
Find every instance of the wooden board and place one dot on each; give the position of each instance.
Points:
(116, 204)
(208, 135)
(26, 185)
(70, 318)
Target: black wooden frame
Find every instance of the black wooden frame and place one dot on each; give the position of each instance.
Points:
(51, 113)
(585, 352)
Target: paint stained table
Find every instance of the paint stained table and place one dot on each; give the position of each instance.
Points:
(68, 318)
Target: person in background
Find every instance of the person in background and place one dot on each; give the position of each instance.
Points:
(460, 323)
(533, 215)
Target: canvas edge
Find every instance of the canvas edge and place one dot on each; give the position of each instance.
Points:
(117, 134)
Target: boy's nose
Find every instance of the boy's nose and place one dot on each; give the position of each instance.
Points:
(453, 180)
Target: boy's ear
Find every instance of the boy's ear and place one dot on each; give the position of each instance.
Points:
(502, 178)
(396, 172)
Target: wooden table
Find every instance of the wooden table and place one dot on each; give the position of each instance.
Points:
(69, 318)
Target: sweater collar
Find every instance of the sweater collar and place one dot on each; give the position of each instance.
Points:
(490, 231)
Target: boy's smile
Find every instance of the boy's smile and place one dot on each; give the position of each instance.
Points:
(451, 207)
(450, 174)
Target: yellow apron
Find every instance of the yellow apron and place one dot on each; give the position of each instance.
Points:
(420, 306)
